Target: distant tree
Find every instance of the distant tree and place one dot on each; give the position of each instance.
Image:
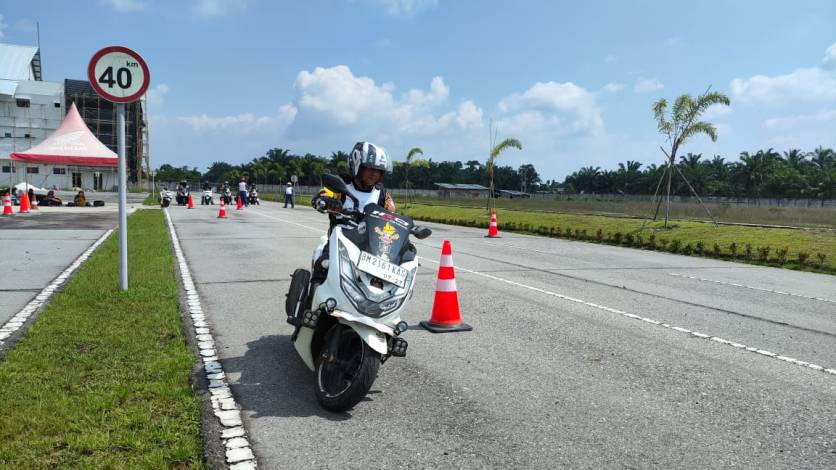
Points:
(496, 151)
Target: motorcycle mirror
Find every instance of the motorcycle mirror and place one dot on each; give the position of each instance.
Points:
(421, 232)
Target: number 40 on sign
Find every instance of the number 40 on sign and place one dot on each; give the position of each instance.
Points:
(118, 74)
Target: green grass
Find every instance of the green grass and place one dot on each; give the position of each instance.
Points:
(304, 199)
(724, 212)
(681, 237)
(151, 200)
(101, 379)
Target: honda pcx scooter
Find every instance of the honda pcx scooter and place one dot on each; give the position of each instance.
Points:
(207, 199)
(348, 321)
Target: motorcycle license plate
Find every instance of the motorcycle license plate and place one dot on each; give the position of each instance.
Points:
(379, 267)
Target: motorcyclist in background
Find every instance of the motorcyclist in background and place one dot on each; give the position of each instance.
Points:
(367, 163)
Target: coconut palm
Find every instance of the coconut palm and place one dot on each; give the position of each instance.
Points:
(496, 151)
(414, 151)
(683, 123)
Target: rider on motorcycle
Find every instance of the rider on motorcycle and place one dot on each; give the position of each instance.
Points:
(367, 163)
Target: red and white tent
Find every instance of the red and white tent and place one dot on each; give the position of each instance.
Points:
(71, 144)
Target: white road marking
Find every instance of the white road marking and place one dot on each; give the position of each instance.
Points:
(743, 286)
(695, 334)
(651, 321)
(17, 321)
(224, 405)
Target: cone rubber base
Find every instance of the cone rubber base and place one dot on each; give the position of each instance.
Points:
(492, 236)
(444, 328)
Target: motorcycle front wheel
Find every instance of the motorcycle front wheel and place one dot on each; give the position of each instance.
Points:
(345, 369)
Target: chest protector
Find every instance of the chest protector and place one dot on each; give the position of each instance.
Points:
(364, 198)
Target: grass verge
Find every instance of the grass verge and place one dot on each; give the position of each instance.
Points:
(101, 378)
(795, 249)
(151, 200)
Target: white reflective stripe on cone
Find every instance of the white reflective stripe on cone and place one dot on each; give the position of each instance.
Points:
(447, 261)
(446, 285)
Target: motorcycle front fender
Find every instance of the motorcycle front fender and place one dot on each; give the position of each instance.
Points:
(374, 338)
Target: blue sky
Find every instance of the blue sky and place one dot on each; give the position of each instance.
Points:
(574, 81)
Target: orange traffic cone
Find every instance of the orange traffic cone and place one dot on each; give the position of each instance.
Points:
(493, 229)
(446, 316)
(24, 204)
(222, 212)
(7, 205)
(240, 204)
(191, 203)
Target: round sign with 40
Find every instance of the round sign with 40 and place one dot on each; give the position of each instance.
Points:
(118, 74)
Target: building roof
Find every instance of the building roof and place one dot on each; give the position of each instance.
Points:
(71, 144)
(513, 193)
(78, 87)
(32, 87)
(470, 187)
(20, 62)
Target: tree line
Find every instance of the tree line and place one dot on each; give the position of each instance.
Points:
(764, 173)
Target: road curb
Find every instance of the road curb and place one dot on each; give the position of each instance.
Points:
(233, 436)
(13, 329)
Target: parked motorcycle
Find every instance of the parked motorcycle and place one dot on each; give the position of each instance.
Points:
(165, 197)
(347, 321)
(207, 198)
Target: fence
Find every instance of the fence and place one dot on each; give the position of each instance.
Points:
(743, 201)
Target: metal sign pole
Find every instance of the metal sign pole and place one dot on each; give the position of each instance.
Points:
(123, 213)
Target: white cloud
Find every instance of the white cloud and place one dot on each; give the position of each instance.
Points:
(716, 111)
(821, 119)
(208, 9)
(610, 59)
(156, 95)
(245, 123)
(3, 26)
(645, 85)
(406, 7)
(813, 85)
(124, 5)
(614, 87)
(563, 108)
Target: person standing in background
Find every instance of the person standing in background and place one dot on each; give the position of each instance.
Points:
(288, 196)
(242, 192)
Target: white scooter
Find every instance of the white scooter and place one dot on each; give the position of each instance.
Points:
(348, 322)
(207, 198)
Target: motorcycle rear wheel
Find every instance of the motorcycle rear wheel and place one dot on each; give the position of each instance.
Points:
(343, 379)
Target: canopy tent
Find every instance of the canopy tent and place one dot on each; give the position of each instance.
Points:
(71, 144)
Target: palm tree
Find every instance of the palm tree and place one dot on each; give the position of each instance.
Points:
(496, 151)
(682, 124)
(414, 151)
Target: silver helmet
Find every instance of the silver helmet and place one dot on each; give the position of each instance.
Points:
(369, 155)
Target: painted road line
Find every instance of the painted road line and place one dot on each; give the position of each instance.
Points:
(239, 453)
(42, 298)
(651, 321)
(633, 316)
(743, 286)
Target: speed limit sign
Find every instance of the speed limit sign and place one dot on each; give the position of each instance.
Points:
(118, 74)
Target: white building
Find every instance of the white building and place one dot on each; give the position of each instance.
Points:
(30, 111)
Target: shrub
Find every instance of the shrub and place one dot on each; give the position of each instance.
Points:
(599, 235)
(675, 246)
(763, 253)
(821, 257)
(651, 240)
(583, 234)
(688, 249)
(628, 239)
(699, 249)
(558, 231)
(663, 243)
(748, 253)
(782, 254)
(616, 237)
(717, 250)
(568, 233)
(803, 257)
(733, 250)
(639, 240)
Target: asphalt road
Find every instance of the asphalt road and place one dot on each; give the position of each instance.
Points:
(582, 356)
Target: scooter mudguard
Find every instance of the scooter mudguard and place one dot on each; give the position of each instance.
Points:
(374, 338)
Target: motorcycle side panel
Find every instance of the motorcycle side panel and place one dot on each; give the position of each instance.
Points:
(303, 346)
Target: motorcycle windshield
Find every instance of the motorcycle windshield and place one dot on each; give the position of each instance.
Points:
(387, 232)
